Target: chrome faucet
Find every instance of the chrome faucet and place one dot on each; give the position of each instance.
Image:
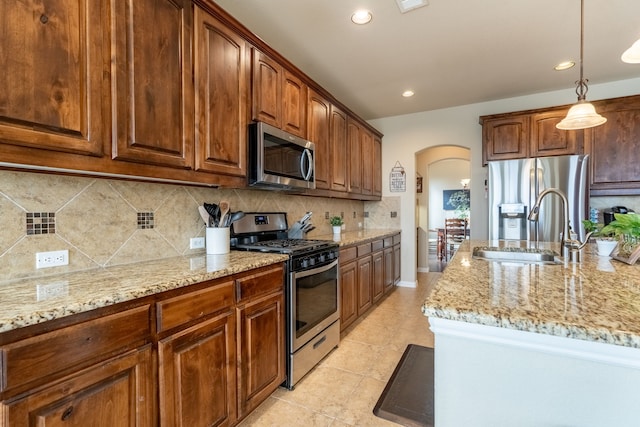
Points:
(570, 247)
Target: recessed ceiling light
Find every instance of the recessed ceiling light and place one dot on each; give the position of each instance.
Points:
(408, 93)
(408, 5)
(361, 17)
(564, 65)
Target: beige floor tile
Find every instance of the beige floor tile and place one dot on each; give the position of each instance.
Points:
(279, 413)
(359, 411)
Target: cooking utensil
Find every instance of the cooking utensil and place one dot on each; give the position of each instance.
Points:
(205, 216)
(233, 218)
(305, 217)
(224, 210)
(214, 212)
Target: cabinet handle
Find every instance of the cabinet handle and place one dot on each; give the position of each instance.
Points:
(67, 413)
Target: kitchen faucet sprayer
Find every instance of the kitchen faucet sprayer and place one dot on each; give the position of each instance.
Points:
(570, 247)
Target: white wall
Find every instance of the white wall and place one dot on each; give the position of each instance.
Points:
(406, 135)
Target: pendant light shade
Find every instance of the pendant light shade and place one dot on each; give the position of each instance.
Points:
(632, 55)
(582, 115)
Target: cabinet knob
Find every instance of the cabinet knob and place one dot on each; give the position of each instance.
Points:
(44, 18)
(67, 413)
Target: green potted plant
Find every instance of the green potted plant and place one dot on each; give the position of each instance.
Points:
(604, 239)
(626, 227)
(336, 222)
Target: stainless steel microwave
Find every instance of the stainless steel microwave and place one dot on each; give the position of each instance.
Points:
(278, 159)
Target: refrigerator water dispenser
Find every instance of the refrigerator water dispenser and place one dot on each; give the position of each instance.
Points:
(513, 221)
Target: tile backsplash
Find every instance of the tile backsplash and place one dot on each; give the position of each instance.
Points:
(105, 222)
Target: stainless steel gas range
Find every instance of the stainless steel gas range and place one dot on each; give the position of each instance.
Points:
(312, 288)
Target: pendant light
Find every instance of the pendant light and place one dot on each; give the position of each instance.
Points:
(632, 55)
(582, 115)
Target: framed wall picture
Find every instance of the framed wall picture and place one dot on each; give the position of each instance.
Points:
(455, 200)
(419, 184)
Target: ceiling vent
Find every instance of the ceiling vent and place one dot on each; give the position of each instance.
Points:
(409, 5)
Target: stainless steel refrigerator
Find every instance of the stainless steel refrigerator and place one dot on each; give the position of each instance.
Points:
(514, 186)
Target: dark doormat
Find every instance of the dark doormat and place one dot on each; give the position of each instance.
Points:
(407, 398)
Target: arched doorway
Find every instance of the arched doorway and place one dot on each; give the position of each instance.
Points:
(441, 168)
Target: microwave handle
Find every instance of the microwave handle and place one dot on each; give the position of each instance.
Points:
(306, 159)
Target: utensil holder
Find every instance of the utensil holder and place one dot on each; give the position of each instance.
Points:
(217, 240)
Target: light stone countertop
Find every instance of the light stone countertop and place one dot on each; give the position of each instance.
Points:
(96, 288)
(23, 304)
(595, 300)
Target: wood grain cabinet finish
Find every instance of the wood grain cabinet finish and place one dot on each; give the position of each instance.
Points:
(367, 156)
(377, 166)
(279, 96)
(52, 96)
(319, 132)
(505, 138)
(339, 149)
(377, 275)
(115, 393)
(548, 140)
(197, 377)
(348, 292)
(152, 82)
(221, 75)
(614, 148)
(354, 154)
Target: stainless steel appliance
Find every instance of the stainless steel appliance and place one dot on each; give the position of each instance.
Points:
(278, 159)
(312, 289)
(608, 215)
(514, 186)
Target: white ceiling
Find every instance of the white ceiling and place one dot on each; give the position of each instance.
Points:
(451, 52)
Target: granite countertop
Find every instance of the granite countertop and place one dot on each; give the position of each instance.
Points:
(595, 300)
(23, 302)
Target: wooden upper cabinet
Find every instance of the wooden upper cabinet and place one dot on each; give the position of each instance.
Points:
(505, 138)
(151, 83)
(221, 67)
(367, 147)
(613, 148)
(51, 84)
(319, 134)
(279, 97)
(338, 151)
(354, 153)
(548, 140)
(294, 108)
(377, 166)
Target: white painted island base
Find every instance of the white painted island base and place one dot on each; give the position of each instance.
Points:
(499, 377)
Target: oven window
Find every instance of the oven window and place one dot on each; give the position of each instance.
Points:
(316, 299)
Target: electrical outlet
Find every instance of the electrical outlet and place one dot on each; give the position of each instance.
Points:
(52, 259)
(196, 243)
(52, 290)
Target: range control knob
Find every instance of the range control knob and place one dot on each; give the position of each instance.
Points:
(322, 258)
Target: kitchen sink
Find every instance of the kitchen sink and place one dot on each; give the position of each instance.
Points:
(523, 255)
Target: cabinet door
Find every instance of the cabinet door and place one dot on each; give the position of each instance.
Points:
(338, 151)
(221, 90)
(547, 140)
(377, 278)
(354, 153)
(388, 270)
(366, 139)
(261, 346)
(613, 146)
(115, 393)
(396, 264)
(51, 83)
(365, 298)
(196, 374)
(505, 138)
(377, 166)
(348, 294)
(294, 107)
(267, 89)
(152, 82)
(318, 127)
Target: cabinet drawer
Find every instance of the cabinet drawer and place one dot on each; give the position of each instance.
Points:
(397, 239)
(263, 282)
(348, 254)
(60, 351)
(364, 249)
(388, 242)
(194, 305)
(377, 245)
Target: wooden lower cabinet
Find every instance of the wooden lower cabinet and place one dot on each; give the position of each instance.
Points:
(377, 275)
(348, 293)
(261, 361)
(197, 376)
(115, 393)
(365, 299)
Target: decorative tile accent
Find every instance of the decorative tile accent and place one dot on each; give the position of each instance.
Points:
(41, 223)
(145, 220)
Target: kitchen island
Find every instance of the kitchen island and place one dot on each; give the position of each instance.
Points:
(524, 344)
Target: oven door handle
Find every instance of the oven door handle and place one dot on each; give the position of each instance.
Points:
(306, 164)
(299, 274)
